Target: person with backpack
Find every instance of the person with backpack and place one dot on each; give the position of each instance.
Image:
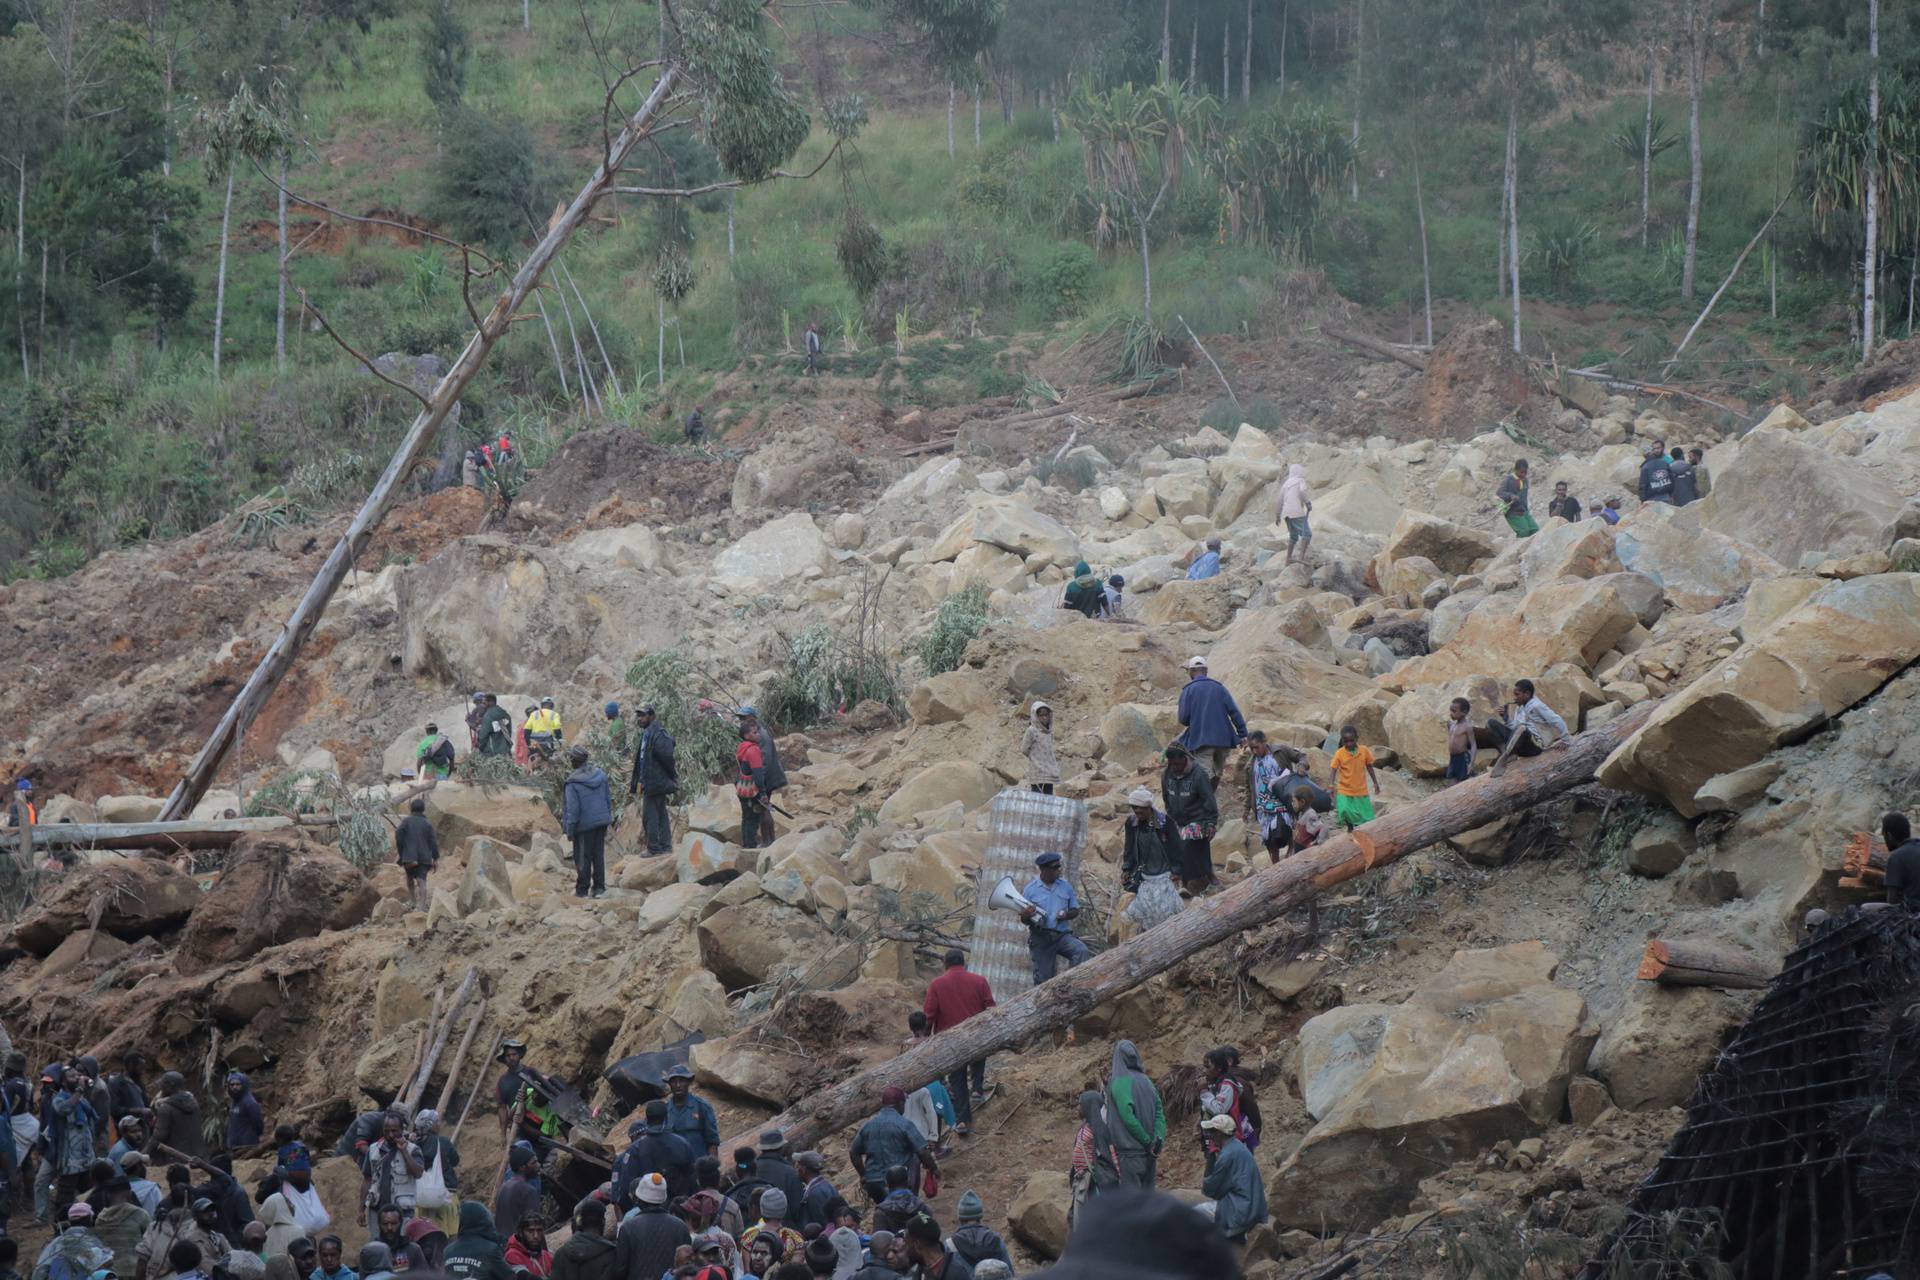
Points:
(433, 758)
(1656, 476)
(494, 728)
(416, 847)
(813, 348)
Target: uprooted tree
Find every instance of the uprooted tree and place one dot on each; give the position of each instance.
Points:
(716, 71)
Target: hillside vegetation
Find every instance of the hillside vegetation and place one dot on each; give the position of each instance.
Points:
(116, 427)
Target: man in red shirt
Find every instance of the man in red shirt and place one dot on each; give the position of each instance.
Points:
(952, 998)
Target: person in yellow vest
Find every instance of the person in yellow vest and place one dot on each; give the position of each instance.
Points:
(543, 730)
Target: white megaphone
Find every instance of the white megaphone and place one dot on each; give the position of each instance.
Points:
(1007, 898)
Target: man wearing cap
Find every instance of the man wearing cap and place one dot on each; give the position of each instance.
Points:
(690, 1116)
(654, 1149)
(655, 779)
(1214, 725)
(132, 1131)
(1233, 1179)
(973, 1240)
(586, 812)
(146, 1192)
(1193, 815)
(775, 777)
(518, 1196)
(773, 1221)
(76, 1252)
(644, 1247)
(1147, 862)
(156, 1249)
(1049, 934)
(888, 1139)
(22, 811)
(952, 998)
(776, 1166)
(821, 1204)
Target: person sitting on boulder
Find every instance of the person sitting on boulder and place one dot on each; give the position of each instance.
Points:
(1207, 564)
(417, 850)
(1522, 725)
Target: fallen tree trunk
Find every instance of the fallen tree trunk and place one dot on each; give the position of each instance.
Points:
(1207, 921)
(214, 833)
(442, 1031)
(1689, 962)
(280, 656)
(1373, 346)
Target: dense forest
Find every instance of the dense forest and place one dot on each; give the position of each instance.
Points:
(202, 195)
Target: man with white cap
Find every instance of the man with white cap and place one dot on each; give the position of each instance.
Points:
(1233, 1179)
(1214, 725)
(649, 1236)
(1147, 863)
(1049, 930)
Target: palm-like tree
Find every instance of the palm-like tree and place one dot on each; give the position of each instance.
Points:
(1834, 162)
(1275, 170)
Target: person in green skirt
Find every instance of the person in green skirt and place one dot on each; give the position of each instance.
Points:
(1512, 496)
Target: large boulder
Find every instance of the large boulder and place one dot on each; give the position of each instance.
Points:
(987, 567)
(1661, 1041)
(133, 898)
(704, 858)
(754, 942)
(1038, 1215)
(488, 884)
(1416, 725)
(674, 904)
(939, 785)
(1183, 493)
(1582, 549)
(796, 469)
(1793, 501)
(949, 697)
(1272, 676)
(511, 815)
(1359, 510)
(1571, 620)
(129, 808)
(275, 889)
(1481, 1052)
(1844, 642)
(775, 552)
(1012, 526)
(1453, 547)
(1206, 604)
(633, 546)
(489, 612)
(1696, 567)
(1132, 736)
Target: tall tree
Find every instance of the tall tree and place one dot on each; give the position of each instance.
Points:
(242, 129)
(1696, 70)
(1870, 266)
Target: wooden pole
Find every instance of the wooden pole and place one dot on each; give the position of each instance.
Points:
(1732, 271)
(1690, 962)
(1373, 346)
(513, 1130)
(460, 1057)
(1254, 901)
(444, 1031)
(420, 1049)
(454, 1137)
(280, 656)
(211, 834)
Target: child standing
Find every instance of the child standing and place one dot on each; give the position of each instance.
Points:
(1459, 740)
(1043, 761)
(1352, 772)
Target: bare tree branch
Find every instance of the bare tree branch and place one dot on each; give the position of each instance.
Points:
(329, 210)
(730, 183)
(307, 305)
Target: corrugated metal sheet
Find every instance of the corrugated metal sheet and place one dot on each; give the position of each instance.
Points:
(1023, 825)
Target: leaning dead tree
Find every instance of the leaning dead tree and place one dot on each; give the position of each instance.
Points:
(1207, 921)
(718, 71)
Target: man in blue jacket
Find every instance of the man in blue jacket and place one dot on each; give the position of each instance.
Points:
(1214, 725)
(586, 812)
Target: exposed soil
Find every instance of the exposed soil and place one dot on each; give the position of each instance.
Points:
(614, 475)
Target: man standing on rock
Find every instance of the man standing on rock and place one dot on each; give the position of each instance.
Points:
(691, 1117)
(1193, 815)
(1049, 920)
(1214, 725)
(495, 729)
(1563, 504)
(655, 779)
(1513, 498)
(1295, 507)
(1656, 476)
(1684, 490)
(476, 709)
(586, 813)
(952, 998)
(433, 757)
(417, 849)
(776, 777)
(813, 348)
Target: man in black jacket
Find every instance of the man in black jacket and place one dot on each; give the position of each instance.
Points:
(654, 1150)
(417, 848)
(774, 1166)
(647, 1240)
(655, 779)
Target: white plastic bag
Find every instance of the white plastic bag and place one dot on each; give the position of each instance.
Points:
(430, 1192)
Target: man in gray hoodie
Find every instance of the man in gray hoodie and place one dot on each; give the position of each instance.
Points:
(586, 813)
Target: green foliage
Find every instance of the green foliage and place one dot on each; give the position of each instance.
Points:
(1224, 415)
(1560, 247)
(1061, 282)
(259, 519)
(753, 120)
(673, 277)
(489, 184)
(1276, 168)
(960, 618)
(862, 251)
(704, 734)
(444, 54)
(361, 832)
(1630, 140)
(825, 675)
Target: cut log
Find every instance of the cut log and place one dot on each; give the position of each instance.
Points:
(418, 1088)
(1259, 898)
(1690, 962)
(279, 658)
(1865, 858)
(214, 833)
(460, 1057)
(1373, 346)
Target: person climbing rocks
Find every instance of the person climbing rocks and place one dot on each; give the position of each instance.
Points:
(774, 779)
(586, 813)
(1112, 597)
(696, 426)
(1523, 727)
(655, 778)
(417, 849)
(1147, 862)
(1226, 1094)
(494, 732)
(245, 1123)
(1049, 917)
(1135, 1119)
(952, 998)
(1295, 507)
(1036, 744)
(1264, 810)
(1207, 563)
(1512, 495)
(433, 757)
(1193, 815)
(1083, 593)
(1353, 771)
(1214, 725)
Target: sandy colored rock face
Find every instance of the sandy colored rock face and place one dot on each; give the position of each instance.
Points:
(1697, 568)
(776, 551)
(633, 546)
(1452, 546)
(938, 785)
(535, 626)
(1791, 500)
(274, 890)
(1840, 645)
(749, 944)
(1572, 620)
(1655, 1047)
(1038, 1215)
(1013, 527)
(1272, 676)
(1416, 725)
(511, 815)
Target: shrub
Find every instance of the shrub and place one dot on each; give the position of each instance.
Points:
(956, 622)
(490, 184)
(825, 675)
(1225, 416)
(704, 734)
(1060, 283)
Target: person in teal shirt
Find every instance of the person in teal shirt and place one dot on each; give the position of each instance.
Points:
(433, 758)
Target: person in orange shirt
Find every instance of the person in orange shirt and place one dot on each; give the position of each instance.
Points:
(1352, 772)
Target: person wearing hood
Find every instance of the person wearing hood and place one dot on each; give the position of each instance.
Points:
(1136, 1235)
(436, 1147)
(296, 1263)
(1095, 1167)
(245, 1123)
(1193, 816)
(900, 1205)
(654, 1149)
(176, 1117)
(71, 1136)
(973, 1239)
(648, 1238)
(76, 1252)
(248, 1261)
(1036, 744)
(1083, 592)
(586, 813)
(122, 1224)
(1136, 1121)
(98, 1096)
(1295, 507)
(587, 1253)
(848, 1256)
(478, 1252)
(277, 1215)
(1233, 1180)
(376, 1261)
(127, 1087)
(302, 1197)
(426, 1245)
(1146, 863)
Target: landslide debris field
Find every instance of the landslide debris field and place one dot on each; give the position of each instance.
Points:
(1444, 1052)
